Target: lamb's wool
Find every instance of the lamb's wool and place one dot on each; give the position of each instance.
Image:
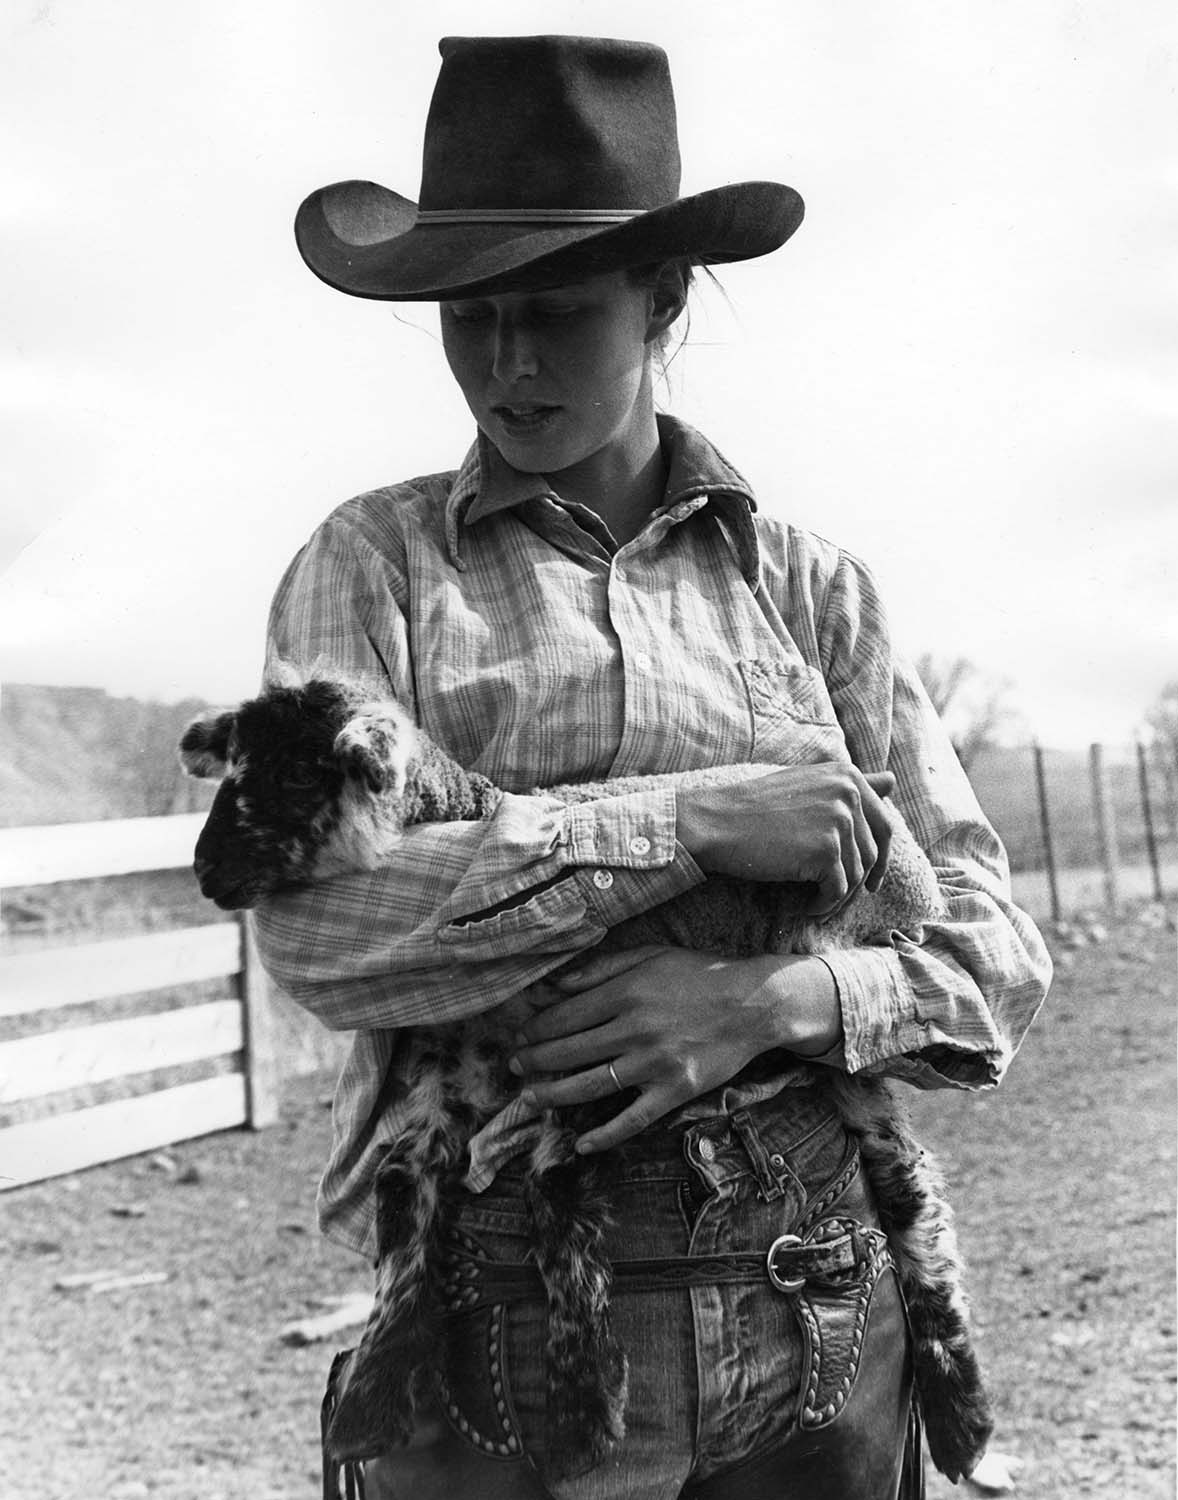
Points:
(386, 775)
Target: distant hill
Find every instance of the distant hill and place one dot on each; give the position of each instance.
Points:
(72, 755)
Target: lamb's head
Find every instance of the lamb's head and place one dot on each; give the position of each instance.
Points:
(311, 781)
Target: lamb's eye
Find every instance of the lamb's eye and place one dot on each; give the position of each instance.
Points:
(301, 781)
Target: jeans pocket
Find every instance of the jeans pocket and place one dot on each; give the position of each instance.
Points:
(833, 1316)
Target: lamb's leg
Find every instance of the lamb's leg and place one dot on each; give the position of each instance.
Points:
(910, 1195)
(377, 1401)
(439, 790)
(585, 1365)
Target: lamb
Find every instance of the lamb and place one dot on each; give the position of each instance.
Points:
(321, 777)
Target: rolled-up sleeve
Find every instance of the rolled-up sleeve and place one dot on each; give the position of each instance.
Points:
(948, 1006)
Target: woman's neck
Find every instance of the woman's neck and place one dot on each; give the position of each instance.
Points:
(622, 483)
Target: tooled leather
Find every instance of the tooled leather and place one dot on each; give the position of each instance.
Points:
(478, 1283)
(816, 1208)
(833, 1323)
(472, 1383)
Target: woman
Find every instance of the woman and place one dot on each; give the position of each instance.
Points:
(593, 593)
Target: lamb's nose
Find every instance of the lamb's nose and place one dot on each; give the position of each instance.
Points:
(203, 867)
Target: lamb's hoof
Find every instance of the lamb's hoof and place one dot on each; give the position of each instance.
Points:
(363, 1427)
(996, 1474)
(584, 1428)
(957, 1438)
(576, 1450)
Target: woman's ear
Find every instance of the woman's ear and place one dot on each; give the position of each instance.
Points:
(668, 298)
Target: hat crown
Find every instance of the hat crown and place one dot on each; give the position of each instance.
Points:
(550, 122)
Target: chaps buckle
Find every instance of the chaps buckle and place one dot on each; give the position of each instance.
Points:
(781, 1246)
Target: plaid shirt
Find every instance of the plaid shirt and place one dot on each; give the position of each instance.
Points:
(537, 652)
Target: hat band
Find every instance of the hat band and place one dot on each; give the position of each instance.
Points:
(528, 215)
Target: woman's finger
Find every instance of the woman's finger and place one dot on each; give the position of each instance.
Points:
(833, 885)
(568, 1015)
(866, 847)
(585, 1087)
(880, 822)
(570, 1053)
(651, 1105)
(596, 967)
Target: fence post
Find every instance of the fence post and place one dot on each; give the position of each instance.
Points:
(1165, 766)
(1106, 831)
(1151, 846)
(261, 1062)
(1045, 827)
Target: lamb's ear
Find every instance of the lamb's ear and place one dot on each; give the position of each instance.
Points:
(284, 674)
(376, 746)
(204, 745)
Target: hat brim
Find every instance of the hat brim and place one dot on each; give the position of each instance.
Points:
(365, 240)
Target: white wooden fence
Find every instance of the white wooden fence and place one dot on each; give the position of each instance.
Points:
(51, 1062)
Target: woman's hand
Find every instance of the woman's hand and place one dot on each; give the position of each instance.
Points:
(674, 1024)
(824, 824)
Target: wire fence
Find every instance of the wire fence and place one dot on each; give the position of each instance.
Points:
(1084, 828)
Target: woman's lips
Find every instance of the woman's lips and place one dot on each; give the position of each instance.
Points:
(525, 418)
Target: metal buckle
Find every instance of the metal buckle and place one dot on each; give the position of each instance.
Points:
(783, 1283)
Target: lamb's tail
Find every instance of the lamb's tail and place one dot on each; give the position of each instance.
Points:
(585, 1365)
(379, 1392)
(910, 1194)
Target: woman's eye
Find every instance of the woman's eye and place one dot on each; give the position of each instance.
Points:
(460, 312)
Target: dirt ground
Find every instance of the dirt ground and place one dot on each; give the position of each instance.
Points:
(184, 1389)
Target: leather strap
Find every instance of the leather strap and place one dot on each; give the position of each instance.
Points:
(470, 1282)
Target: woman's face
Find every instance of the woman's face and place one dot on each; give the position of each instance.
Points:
(555, 378)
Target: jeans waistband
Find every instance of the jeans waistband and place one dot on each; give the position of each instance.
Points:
(759, 1139)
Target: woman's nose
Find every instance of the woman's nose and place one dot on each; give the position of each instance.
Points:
(515, 354)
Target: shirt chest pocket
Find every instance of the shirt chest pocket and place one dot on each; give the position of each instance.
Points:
(793, 720)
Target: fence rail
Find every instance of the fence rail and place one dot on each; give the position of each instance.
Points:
(102, 1051)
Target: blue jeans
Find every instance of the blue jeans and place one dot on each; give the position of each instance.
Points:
(735, 1391)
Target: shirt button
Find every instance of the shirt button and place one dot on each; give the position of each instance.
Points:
(640, 845)
(602, 879)
(707, 1151)
(642, 661)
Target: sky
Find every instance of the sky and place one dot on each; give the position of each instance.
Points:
(962, 368)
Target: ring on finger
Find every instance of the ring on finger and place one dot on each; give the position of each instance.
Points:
(613, 1074)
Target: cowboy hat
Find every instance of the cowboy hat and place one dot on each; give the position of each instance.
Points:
(547, 159)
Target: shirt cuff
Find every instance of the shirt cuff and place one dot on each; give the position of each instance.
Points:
(882, 1032)
(602, 862)
(634, 832)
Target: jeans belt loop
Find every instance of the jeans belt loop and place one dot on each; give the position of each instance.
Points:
(774, 1178)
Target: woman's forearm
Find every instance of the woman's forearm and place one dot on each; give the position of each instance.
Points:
(798, 1001)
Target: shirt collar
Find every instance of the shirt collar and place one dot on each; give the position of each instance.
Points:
(697, 474)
